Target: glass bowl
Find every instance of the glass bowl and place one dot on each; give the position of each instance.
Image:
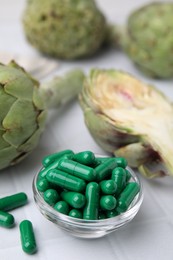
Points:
(89, 228)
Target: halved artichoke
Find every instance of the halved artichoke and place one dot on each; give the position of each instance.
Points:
(129, 118)
(147, 38)
(23, 106)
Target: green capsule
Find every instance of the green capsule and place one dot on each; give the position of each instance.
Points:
(108, 187)
(92, 201)
(43, 185)
(99, 160)
(65, 180)
(127, 196)
(42, 174)
(112, 213)
(74, 199)
(121, 162)
(62, 207)
(108, 202)
(75, 213)
(119, 176)
(51, 196)
(128, 175)
(47, 160)
(6, 219)
(13, 201)
(102, 159)
(86, 158)
(76, 169)
(104, 170)
(97, 163)
(27, 237)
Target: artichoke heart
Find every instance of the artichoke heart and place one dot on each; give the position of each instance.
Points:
(131, 119)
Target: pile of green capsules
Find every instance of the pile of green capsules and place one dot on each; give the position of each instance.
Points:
(85, 186)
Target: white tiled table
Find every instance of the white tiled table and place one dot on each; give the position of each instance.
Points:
(149, 236)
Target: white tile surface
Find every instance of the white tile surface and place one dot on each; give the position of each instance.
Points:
(145, 241)
(150, 235)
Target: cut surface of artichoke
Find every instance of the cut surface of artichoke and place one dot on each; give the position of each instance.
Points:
(135, 108)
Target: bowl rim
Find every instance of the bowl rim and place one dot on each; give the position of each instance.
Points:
(57, 216)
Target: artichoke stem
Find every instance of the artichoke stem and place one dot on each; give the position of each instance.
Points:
(62, 90)
(116, 35)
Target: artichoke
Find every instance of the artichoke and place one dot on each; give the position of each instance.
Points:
(148, 39)
(130, 119)
(23, 106)
(66, 29)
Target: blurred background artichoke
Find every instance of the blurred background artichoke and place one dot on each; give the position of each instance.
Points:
(147, 39)
(23, 106)
(68, 29)
(130, 119)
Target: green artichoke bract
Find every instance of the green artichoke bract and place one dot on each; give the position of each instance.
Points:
(148, 39)
(67, 29)
(130, 119)
(23, 106)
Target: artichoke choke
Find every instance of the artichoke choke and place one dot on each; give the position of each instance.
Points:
(67, 29)
(23, 106)
(130, 119)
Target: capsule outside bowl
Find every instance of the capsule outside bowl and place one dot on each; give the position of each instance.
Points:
(89, 228)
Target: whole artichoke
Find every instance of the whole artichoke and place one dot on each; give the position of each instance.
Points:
(148, 39)
(131, 119)
(23, 105)
(66, 29)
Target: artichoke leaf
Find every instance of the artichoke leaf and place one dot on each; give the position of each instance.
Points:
(153, 170)
(6, 102)
(3, 143)
(18, 85)
(7, 156)
(21, 87)
(32, 142)
(17, 129)
(105, 133)
(136, 153)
